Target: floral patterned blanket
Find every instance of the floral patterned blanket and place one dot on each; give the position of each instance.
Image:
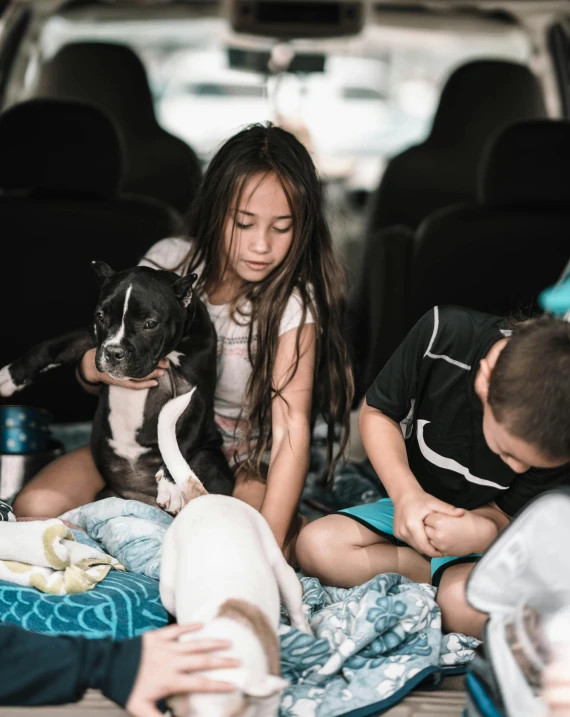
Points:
(372, 645)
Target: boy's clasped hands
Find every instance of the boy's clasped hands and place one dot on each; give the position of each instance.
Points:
(435, 528)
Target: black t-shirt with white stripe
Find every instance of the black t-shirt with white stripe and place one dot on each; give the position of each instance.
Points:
(428, 387)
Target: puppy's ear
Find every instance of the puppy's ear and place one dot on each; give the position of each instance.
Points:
(103, 271)
(264, 686)
(183, 289)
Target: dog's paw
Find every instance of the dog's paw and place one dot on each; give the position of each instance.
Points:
(302, 624)
(7, 385)
(169, 496)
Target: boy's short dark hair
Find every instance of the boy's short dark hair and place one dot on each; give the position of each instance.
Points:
(529, 388)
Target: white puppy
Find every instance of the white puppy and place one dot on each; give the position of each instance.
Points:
(221, 566)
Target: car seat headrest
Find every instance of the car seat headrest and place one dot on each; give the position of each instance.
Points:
(107, 75)
(59, 148)
(527, 165)
(482, 96)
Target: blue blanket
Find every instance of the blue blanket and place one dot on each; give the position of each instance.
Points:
(128, 528)
(122, 605)
(371, 644)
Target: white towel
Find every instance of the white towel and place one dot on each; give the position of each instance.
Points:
(44, 554)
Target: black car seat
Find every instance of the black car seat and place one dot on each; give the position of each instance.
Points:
(113, 78)
(377, 309)
(478, 99)
(495, 255)
(60, 170)
(499, 254)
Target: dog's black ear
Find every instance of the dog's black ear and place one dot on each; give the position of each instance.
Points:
(183, 289)
(103, 271)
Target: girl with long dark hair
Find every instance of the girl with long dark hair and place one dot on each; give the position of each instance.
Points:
(275, 291)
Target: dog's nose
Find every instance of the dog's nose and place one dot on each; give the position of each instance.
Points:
(114, 354)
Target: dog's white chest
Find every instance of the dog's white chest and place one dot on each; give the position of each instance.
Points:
(126, 415)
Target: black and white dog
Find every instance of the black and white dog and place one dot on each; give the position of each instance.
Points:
(142, 316)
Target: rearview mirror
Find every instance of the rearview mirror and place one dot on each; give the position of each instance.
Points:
(297, 18)
(260, 61)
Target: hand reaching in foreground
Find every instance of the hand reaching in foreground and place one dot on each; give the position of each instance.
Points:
(409, 515)
(91, 373)
(461, 535)
(167, 665)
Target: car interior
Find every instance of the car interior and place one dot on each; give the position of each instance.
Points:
(439, 129)
(403, 106)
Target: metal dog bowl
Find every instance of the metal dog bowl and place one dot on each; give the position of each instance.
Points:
(17, 469)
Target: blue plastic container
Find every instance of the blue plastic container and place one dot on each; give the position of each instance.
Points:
(28, 416)
(23, 439)
(23, 429)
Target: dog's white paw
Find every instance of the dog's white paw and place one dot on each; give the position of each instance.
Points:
(302, 624)
(7, 385)
(169, 496)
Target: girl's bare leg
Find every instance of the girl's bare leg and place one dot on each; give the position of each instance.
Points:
(340, 551)
(68, 482)
(457, 615)
(251, 490)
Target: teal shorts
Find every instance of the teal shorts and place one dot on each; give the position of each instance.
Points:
(379, 517)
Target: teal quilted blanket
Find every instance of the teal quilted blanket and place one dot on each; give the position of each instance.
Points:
(122, 605)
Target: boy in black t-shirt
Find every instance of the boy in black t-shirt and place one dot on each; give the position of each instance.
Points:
(465, 424)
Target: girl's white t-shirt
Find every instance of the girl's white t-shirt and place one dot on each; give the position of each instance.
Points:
(234, 368)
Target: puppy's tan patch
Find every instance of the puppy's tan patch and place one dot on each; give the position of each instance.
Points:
(193, 489)
(251, 616)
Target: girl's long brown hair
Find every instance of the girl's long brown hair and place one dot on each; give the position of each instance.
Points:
(310, 268)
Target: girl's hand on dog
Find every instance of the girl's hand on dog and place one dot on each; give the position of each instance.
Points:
(94, 376)
(167, 664)
(409, 515)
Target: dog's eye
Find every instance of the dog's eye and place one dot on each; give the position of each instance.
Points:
(151, 324)
(99, 317)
